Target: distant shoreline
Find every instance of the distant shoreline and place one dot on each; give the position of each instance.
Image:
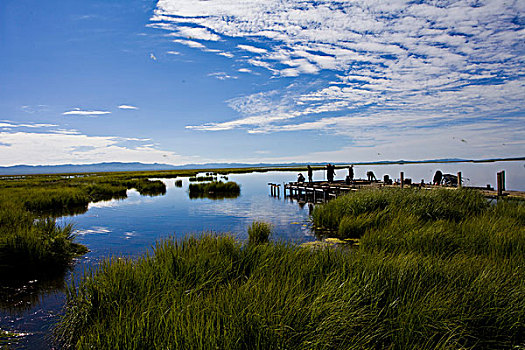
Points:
(72, 169)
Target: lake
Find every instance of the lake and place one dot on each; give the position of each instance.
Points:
(131, 226)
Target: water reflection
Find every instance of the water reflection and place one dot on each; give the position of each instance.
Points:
(212, 195)
(17, 296)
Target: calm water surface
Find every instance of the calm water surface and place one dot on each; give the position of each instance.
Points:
(131, 226)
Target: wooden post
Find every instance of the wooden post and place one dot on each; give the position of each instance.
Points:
(459, 179)
(503, 187)
(402, 179)
(278, 190)
(499, 179)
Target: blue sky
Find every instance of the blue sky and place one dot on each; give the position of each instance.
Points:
(189, 81)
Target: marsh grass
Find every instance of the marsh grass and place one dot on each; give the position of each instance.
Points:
(429, 278)
(31, 244)
(214, 190)
(259, 232)
(202, 178)
(213, 292)
(353, 214)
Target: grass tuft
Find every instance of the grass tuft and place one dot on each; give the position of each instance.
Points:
(259, 233)
(214, 190)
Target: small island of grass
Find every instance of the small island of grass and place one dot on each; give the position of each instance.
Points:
(214, 190)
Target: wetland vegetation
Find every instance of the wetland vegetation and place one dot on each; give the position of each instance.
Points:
(436, 270)
(31, 243)
(214, 190)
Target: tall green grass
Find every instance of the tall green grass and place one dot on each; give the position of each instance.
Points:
(30, 246)
(353, 214)
(214, 190)
(30, 241)
(259, 232)
(213, 292)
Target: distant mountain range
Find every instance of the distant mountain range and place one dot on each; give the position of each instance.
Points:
(117, 166)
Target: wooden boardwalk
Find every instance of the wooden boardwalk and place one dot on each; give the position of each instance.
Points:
(322, 191)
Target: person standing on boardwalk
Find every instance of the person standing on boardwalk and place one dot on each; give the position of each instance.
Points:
(438, 176)
(310, 173)
(330, 172)
(351, 172)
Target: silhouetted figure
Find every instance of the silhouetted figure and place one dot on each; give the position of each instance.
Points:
(387, 180)
(300, 178)
(371, 176)
(438, 176)
(310, 173)
(351, 172)
(329, 173)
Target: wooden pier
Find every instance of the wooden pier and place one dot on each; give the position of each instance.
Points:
(322, 191)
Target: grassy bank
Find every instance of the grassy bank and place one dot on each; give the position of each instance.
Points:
(353, 214)
(31, 244)
(444, 281)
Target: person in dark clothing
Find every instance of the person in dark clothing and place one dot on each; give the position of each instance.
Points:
(310, 173)
(300, 178)
(330, 172)
(371, 176)
(351, 172)
(438, 176)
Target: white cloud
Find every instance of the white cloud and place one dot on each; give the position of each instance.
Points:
(10, 124)
(244, 70)
(222, 76)
(226, 54)
(127, 107)
(78, 111)
(252, 49)
(68, 147)
(196, 34)
(393, 63)
(190, 43)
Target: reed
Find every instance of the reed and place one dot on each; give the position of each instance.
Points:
(213, 292)
(353, 214)
(259, 232)
(214, 190)
(31, 244)
(202, 178)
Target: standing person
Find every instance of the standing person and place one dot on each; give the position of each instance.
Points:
(310, 173)
(351, 172)
(438, 176)
(330, 172)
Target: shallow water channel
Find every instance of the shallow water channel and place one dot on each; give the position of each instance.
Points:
(131, 226)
